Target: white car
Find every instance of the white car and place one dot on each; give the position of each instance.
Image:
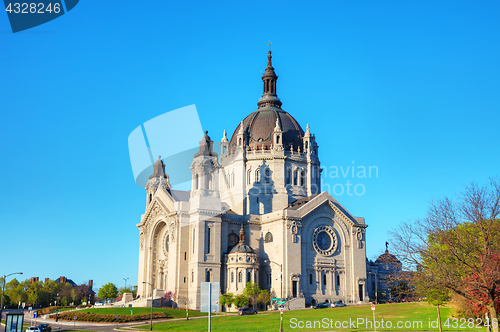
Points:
(33, 329)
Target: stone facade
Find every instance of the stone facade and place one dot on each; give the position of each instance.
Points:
(254, 213)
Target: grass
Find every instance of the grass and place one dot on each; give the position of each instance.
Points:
(408, 313)
(174, 313)
(61, 310)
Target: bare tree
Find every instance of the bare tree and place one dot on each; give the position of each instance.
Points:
(457, 245)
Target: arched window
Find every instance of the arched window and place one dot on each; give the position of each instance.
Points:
(224, 150)
(249, 276)
(302, 178)
(268, 175)
(295, 175)
(268, 238)
(196, 181)
(288, 176)
(167, 243)
(249, 176)
(207, 276)
(257, 175)
(232, 276)
(240, 277)
(209, 181)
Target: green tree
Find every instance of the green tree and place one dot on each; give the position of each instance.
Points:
(108, 291)
(226, 300)
(252, 291)
(456, 247)
(240, 300)
(264, 297)
(129, 289)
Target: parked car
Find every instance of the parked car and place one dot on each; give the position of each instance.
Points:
(45, 328)
(247, 311)
(339, 304)
(33, 329)
(322, 305)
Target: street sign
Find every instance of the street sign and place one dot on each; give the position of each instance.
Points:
(74, 318)
(205, 297)
(275, 299)
(373, 307)
(281, 302)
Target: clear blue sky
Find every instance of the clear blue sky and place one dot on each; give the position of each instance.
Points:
(411, 87)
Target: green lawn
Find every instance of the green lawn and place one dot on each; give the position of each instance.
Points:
(416, 316)
(61, 310)
(174, 313)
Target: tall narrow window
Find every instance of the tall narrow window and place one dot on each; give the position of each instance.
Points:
(257, 175)
(150, 197)
(207, 276)
(249, 176)
(208, 240)
(288, 176)
(240, 277)
(338, 280)
(209, 181)
(196, 181)
(192, 276)
(310, 278)
(295, 178)
(167, 243)
(194, 239)
(232, 276)
(268, 175)
(302, 178)
(249, 276)
(324, 279)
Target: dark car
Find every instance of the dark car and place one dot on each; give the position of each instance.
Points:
(247, 311)
(322, 305)
(45, 327)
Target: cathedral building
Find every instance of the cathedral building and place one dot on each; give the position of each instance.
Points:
(255, 212)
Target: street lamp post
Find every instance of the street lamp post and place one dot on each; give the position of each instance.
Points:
(281, 291)
(125, 282)
(151, 319)
(3, 290)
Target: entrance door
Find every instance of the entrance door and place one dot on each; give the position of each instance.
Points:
(294, 288)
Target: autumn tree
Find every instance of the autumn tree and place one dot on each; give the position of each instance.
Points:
(457, 245)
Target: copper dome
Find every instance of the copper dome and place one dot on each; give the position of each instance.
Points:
(259, 127)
